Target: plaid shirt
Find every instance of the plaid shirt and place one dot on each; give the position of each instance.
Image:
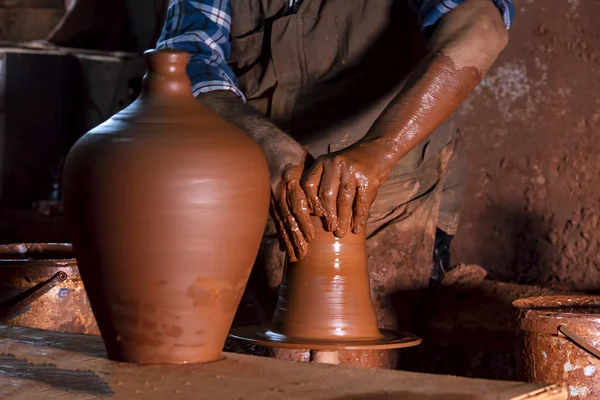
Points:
(202, 27)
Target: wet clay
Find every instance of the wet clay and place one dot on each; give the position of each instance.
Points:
(325, 302)
(546, 355)
(326, 294)
(166, 204)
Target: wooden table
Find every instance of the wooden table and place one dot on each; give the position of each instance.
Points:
(36, 364)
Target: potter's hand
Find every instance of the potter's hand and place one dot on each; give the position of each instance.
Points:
(289, 206)
(342, 186)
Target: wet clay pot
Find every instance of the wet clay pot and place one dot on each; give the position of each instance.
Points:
(559, 342)
(166, 204)
(326, 294)
(324, 302)
(40, 287)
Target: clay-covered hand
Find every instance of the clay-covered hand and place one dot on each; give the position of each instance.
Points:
(289, 206)
(342, 186)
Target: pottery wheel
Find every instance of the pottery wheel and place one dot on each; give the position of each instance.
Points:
(263, 336)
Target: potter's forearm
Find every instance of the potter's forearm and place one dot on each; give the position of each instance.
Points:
(463, 47)
(270, 138)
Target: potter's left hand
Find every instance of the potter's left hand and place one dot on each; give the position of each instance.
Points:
(341, 187)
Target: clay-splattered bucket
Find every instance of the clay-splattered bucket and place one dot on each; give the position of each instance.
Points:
(559, 341)
(40, 287)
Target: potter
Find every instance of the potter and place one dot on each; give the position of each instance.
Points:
(350, 101)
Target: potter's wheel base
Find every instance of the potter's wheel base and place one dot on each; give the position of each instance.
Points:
(263, 336)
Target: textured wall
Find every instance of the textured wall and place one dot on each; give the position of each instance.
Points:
(532, 129)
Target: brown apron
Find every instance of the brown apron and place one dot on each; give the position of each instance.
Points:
(324, 74)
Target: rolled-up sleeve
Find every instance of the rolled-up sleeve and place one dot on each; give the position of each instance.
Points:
(430, 11)
(202, 29)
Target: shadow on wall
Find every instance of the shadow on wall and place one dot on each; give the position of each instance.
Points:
(531, 132)
(513, 246)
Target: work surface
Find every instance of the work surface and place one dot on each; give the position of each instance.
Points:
(36, 364)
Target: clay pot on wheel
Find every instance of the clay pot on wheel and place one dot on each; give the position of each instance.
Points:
(325, 303)
(166, 204)
(333, 302)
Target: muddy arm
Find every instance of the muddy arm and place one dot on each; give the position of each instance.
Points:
(464, 45)
(341, 187)
(270, 138)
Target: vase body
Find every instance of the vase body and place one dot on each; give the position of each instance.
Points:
(166, 203)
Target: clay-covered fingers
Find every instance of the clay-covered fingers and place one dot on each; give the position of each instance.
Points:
(284, 241)
(310, 185)
(365, 196)
(321, 184)
(292, 213)
(298, 205)
(345, 202)
(289, 231)
(328, 193)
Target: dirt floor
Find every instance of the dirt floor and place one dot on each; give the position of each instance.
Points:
(531, 129)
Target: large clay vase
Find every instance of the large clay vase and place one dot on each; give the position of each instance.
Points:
(166, 204)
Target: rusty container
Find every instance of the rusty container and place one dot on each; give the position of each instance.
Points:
(40, 287)
(559, 342)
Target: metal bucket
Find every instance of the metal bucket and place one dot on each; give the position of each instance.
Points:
(40, 287)
(559, 341)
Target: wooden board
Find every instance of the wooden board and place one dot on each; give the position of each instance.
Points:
(37, 364)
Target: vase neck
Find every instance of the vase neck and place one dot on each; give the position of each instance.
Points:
(166, 77)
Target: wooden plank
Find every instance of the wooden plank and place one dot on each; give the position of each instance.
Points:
(554, 392)
(38, 364)
(44, 47)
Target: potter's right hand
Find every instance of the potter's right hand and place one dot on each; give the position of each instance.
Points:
(289, 206)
